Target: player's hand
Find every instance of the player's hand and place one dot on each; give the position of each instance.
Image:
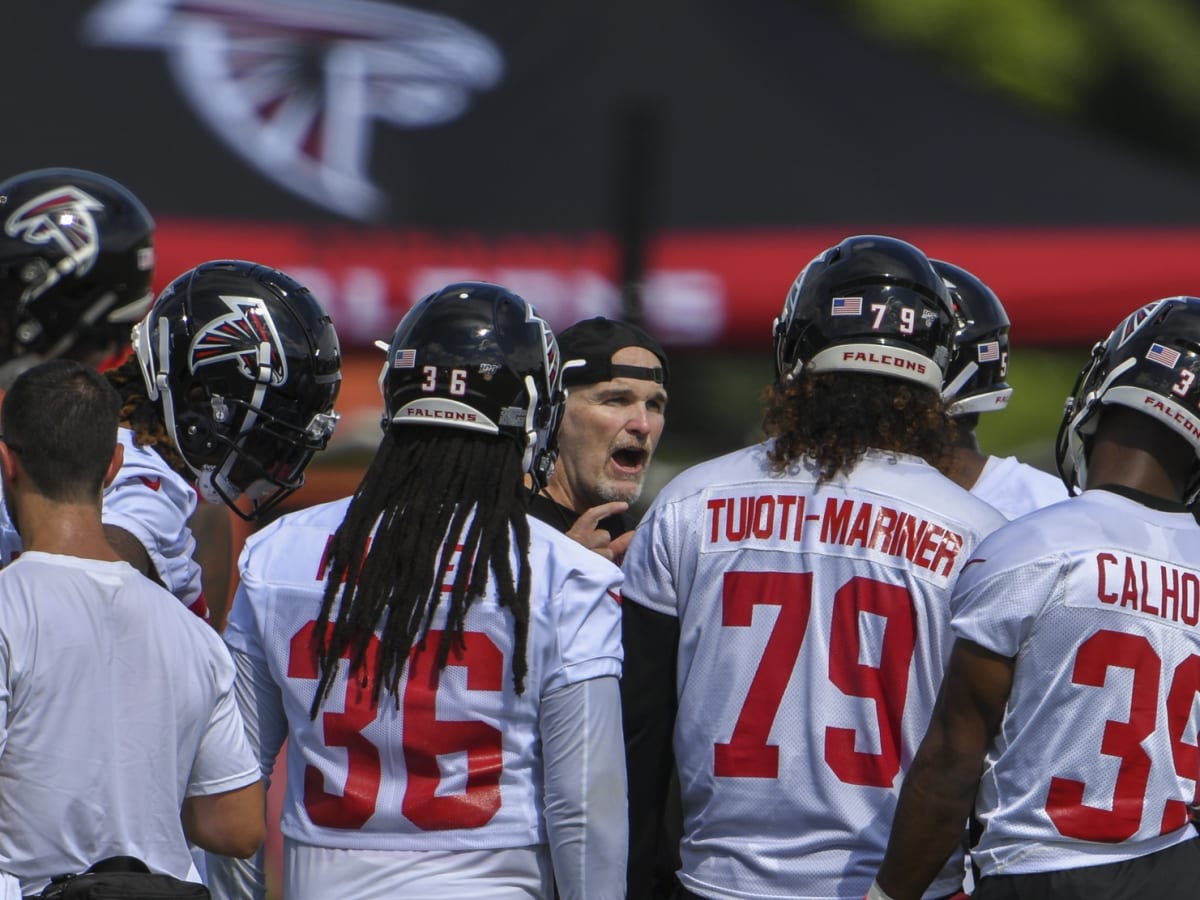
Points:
(586, 531)
(619, 545)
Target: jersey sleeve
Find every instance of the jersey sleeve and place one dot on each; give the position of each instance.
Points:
(587, 625)
(224, 760)
(155, 510)
(648, 566)
(1001, 592)
(586, 818)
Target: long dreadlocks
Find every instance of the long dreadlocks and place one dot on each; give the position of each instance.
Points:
(143, 415)
(396, 548)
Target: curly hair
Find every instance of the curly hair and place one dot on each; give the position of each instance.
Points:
(143, 416)
(427, 493)
(833, 419)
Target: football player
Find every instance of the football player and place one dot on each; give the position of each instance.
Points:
(1067, 717)
(444, 669)
(229, 393)
(785, 606)
(975, 383)
(76, 260)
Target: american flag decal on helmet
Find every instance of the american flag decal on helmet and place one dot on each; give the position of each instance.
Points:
(1163, 355)
(246, 336)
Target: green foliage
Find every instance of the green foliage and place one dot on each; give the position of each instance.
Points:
(1128, 67)
(1033, 48)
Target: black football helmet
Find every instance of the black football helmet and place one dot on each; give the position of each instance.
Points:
(246, 366)
(869, 304)
(975, 377)
(477, 356)
(76, 260)
(1150, 363)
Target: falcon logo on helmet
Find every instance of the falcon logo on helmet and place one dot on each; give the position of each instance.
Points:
(62, 217)
(246, 336)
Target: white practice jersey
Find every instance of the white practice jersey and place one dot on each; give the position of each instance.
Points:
(116, 703)
(456, 764)
(814, 629)
(1098, 600)
(153, 502)
(1016, 488)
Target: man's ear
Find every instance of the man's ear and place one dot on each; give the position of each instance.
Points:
(8, 462)
(114, 465)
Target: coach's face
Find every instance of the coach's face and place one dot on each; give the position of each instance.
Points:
(608, 435)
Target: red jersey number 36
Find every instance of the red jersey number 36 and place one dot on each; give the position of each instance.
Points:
(425, 738)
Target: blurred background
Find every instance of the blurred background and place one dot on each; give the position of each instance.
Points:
(675, 163)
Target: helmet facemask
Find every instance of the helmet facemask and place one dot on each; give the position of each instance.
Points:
(245, 367)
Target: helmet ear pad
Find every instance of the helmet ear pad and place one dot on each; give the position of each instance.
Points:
(195, 436)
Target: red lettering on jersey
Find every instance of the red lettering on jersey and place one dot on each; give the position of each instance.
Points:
(849, 523)
(785, 512)
(910, 532)
(324, 563)
(742, 530)
(743, 518)
(881, 535)
(1102, 592)
(153, 483)
(1129, 590)
(928, 545)
(1161, 590)
(861, 527)
(764, 525)
(714, 509)
(327, 553)
(946, 553)
(1189, 609)
(1183, 596)
(836, 521)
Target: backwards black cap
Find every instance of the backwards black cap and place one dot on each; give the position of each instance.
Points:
(587, 348)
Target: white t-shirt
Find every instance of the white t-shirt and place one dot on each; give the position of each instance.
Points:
(457, 766)
(153, 502)
(814, 629)
(115, 705)
(1016, 488)
(1095, 762)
